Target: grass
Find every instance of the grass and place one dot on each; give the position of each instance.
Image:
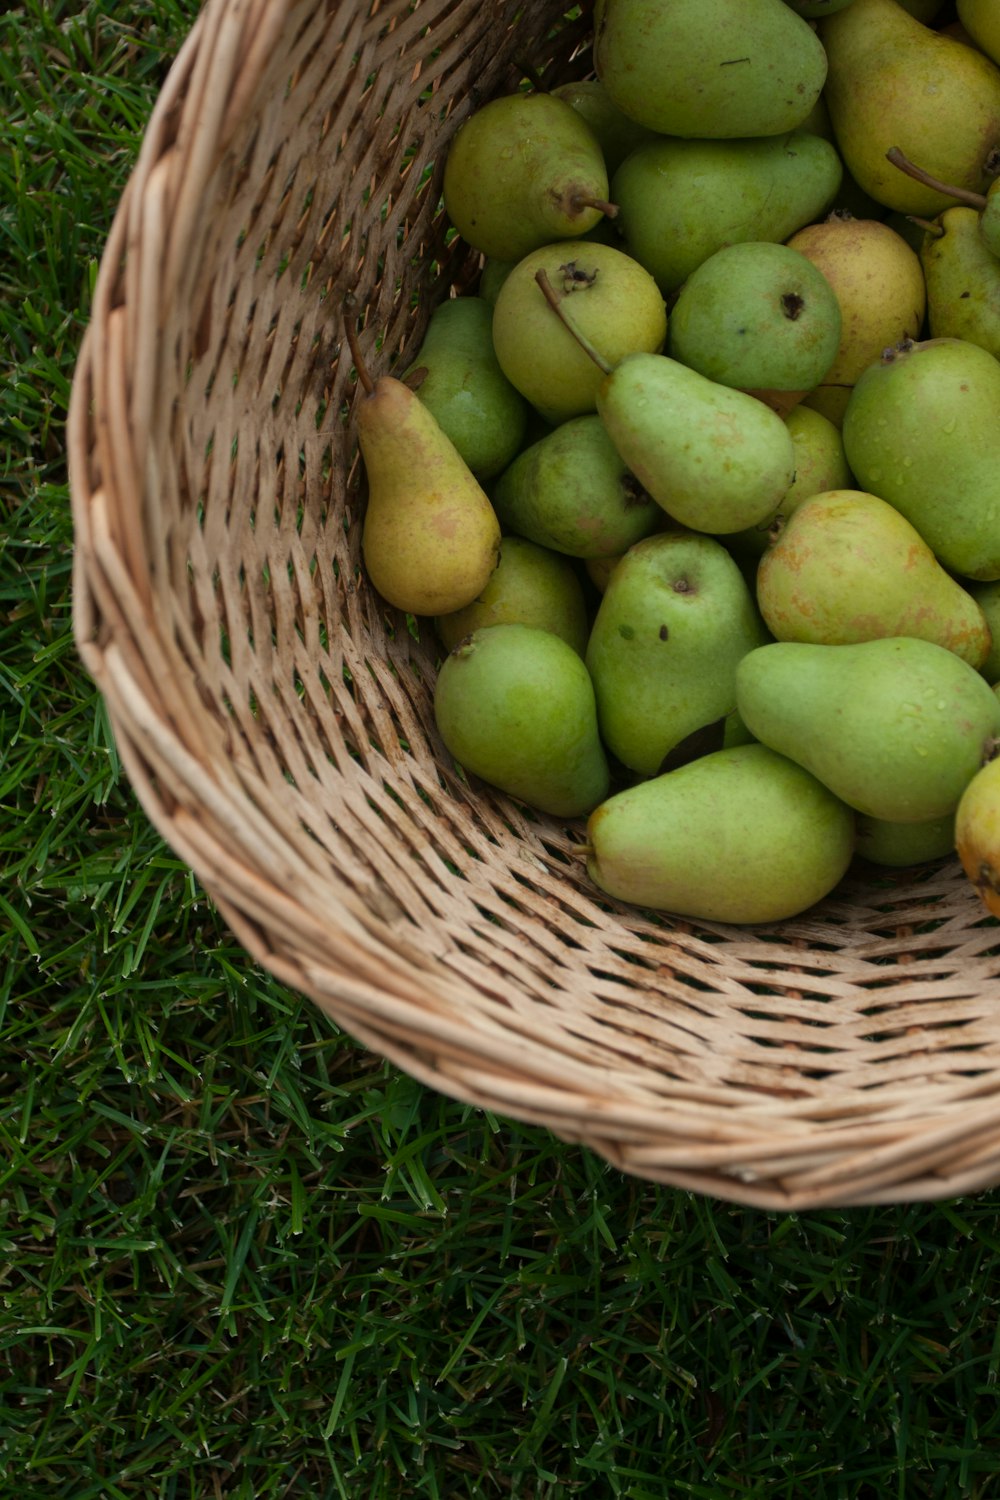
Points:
(240, 1256)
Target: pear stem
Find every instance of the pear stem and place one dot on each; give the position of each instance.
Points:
(937, 230)
(609, 210)
(960, 194)
(551, 297)
(364, 374)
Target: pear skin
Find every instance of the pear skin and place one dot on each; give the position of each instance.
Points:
(879, 285)
(675, 618)
(896, 728)
(981, 19)
(530, 585)
(977, 834)
(515, 706)
(742, 835)
(900, 845)
(430, 538)
(962, 276)
(848, 567)
(820, 464)
(723, 68)
(895, 82)
(920, 431)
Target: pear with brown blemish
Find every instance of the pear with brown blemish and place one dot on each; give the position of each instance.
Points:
(430, 538)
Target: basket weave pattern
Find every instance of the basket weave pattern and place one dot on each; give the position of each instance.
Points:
(275, 717)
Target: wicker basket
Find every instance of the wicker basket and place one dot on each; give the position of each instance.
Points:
(275, 718)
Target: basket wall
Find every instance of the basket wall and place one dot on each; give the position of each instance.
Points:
(275, 717)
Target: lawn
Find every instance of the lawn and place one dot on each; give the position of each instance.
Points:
(241, 1256)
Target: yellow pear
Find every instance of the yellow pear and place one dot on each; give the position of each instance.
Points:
(977, 833)
(981, 19)
(879, 284)
(430, 538)
(895, 82)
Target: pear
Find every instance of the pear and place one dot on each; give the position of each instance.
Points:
(899, 845)
(430, 537)
(571, 491)
(895, 82)
(492, 277)
(962, 276)
(987, 205)
(820, 464)
(895, 727)
(709, 68)
(987, 596)
(715, 459)
(514, 705)
(530, 585)
(523, 170)
(981, 20)
(675, 618)
(681, 200)
(920, 431)
(463, 385)
(977, 834)
(741, 835)
(615, 302)
(758, 316)
(617, 133)
(879, 285)
(848, 567)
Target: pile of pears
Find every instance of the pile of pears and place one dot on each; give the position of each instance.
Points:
(700, 486)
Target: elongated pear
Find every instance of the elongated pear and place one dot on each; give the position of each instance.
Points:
(430, 537)
(962, 276)
(681, 200)
(896, 728)
(920, 431)
(741, 835)
(848, 567)
(895, 82)
(709, 68)
(514, 705)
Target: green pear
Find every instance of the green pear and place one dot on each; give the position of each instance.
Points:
(523, 170)
(895, 82)
(515, 706)
(681, 200)
(879, 285)
(981, 19)
(820, 464)
(492, 277)
(530, 585)
(716, 459)
(617, 134)
(987, 596)
(430, 537)
(962, 276)
(465, 388)
(895, 727)
(899, 845)
(571, 491)
(758, 316)
(709, 68)
(848, 567)
(615, 302)
(920, 431)
(675, 618)
(741, 835)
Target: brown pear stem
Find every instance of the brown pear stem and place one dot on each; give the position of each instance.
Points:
(609, 210)
(937, 230)
(549, 293)
(364, 374)
(960, 194)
